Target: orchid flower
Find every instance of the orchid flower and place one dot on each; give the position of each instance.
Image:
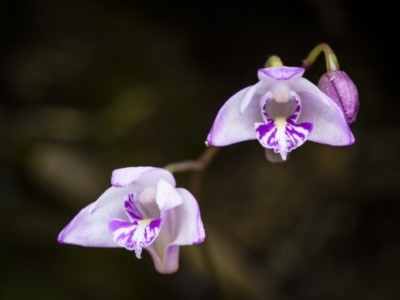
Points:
(281, 111)
(141, 210)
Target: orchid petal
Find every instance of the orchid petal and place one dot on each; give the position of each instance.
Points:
(330, 124)
(302, 85)
(250, 95)
(89, 227)
(182, 226)
(135, 235)
(166, 196)
(280, 73)
(230, 126)
(114, 195)
(146, 176)
(169, 262)
(190, 229)
(272, 156)
(282, 136)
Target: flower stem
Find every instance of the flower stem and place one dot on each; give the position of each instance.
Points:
(198, 165)
(198, 168)
(273, 61)
(195, 185)
(332, 63)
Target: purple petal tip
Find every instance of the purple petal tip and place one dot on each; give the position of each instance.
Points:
(61, 236)
(199, 241)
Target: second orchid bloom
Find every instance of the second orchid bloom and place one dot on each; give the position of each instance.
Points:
(141, 210)
(281, 111)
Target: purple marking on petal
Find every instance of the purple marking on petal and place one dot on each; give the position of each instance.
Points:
(130, 205)
(264, 110)
(295, 115)
(283, 135)
(282, 73)
(263, 129)
(135, 235)
(297, 134)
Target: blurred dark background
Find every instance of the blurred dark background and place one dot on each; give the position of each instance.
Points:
(90, 86)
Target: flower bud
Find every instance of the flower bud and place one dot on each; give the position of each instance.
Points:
(341, 89)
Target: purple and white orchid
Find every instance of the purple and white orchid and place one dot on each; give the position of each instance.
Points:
(142, 210)
(282, 111)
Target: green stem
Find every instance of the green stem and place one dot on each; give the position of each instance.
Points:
(332, 63)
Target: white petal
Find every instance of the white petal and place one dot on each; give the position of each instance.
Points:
(230, 126)
(113, 195)
(251, 93)
(167, 264)
(90, 227)
(146, 176)
(300, 85)
(330, 124)
(166, 196)
(189, 226)
(182, 226)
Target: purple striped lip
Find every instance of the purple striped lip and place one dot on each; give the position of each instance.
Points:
(135, 235)
(280, 134)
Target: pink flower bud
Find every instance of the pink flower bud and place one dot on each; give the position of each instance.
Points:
(338, 86)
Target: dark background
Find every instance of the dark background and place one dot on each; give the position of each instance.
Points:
(90, 86)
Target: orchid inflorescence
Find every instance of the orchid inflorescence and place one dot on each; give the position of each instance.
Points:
(143, 208)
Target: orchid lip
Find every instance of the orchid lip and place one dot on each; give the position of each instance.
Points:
(140, 232)
(282, 134)
(135, 235)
